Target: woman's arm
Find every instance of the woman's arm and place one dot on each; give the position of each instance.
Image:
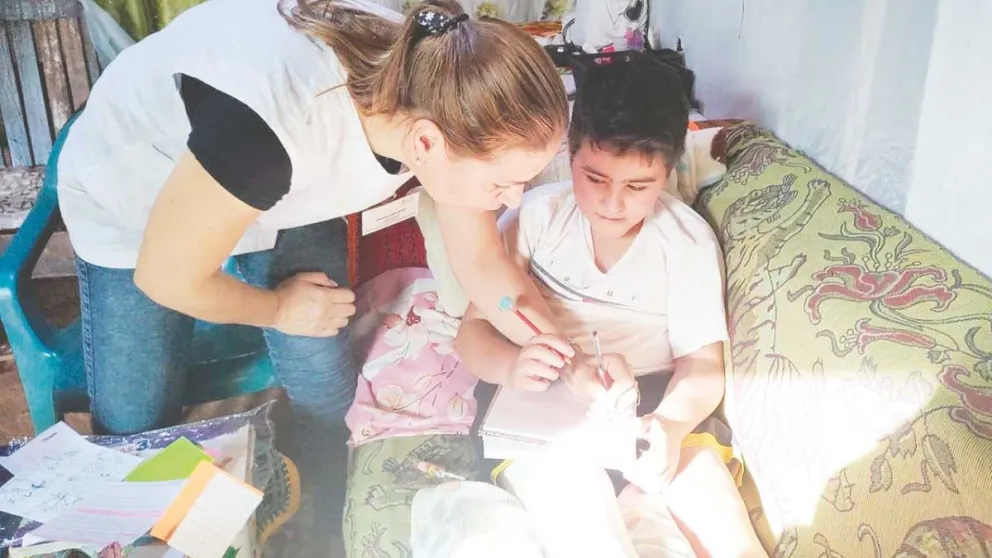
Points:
(483, 350)
(492, 358)
(487, 273)
(193, 227)
(695, 391)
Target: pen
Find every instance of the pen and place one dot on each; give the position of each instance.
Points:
(601, 374)
(437, 471)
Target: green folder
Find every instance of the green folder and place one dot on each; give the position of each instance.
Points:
(175, 462)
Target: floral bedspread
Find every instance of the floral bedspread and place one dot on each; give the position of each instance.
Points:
(861, 353)
(412, 383)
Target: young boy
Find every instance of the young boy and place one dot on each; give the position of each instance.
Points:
(615, 253)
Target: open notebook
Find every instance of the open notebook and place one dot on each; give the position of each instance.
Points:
(523, 424)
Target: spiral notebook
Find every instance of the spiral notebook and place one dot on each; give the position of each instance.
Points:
(523, 424)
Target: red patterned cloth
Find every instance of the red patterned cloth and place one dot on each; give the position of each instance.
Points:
(400, 245)
(542, 29)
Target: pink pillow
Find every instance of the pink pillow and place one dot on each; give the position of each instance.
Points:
(412, 383)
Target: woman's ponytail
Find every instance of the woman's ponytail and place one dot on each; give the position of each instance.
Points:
(487, 84)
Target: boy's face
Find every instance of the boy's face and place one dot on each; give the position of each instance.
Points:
(614, 192)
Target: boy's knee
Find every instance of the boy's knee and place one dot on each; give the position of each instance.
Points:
(702, 470)
(701, 458)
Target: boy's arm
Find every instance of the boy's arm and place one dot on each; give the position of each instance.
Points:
(697, 330)
(695, 391)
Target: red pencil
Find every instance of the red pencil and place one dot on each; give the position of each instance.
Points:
(506, 303)
(527, 321)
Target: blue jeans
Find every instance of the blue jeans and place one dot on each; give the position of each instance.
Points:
(135, 352)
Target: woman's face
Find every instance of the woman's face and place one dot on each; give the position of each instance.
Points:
(483, 184)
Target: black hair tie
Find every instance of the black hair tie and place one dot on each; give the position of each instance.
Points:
(431, 22)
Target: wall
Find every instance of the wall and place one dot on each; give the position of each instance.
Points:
(950, 197)
(862, 86)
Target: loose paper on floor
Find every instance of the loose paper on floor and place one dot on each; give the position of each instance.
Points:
(120, 512)
(61, 450)
(53, 471)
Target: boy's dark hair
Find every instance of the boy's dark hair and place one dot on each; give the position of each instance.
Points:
(637, 105)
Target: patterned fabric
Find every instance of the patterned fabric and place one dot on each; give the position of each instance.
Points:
(861, 383)
(384, 477)
(397, 246)
(281, 500)
(400, 245)
(431, 22)
(411, 382)
(18, 191)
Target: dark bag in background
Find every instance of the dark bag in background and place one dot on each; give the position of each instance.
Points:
(580, 63)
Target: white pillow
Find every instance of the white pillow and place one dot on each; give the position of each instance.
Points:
(451, 299)
(697, 168)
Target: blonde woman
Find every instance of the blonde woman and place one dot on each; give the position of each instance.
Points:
(248, 128)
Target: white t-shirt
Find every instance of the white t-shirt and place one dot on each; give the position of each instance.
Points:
(662, 300)
(125, 145)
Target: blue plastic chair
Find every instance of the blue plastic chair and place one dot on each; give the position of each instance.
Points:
(226, 361)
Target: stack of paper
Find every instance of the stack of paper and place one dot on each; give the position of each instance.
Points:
(523, 424)
(88, 497)
(53, 472)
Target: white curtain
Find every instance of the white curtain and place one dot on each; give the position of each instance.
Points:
(877, 91)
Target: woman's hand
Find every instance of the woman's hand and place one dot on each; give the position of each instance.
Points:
(539, 363)
(312, 305)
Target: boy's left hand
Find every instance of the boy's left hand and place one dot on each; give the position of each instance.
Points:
(583, 379)
(656, 466)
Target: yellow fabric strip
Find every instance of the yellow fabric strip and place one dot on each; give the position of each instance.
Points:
(499, 469)
(708, 440)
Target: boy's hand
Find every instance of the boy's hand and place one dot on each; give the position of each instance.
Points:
(540, 362)
(655, 467)
(621, 397)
